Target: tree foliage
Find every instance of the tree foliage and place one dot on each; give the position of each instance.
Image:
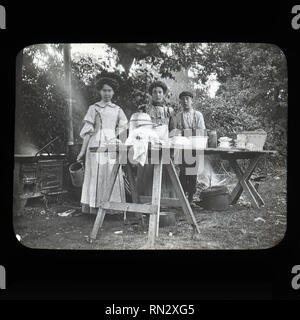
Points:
(42, 112)
(252, 89)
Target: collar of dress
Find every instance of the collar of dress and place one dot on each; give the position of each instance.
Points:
(191, 111)
(152, 106)
(103, 104)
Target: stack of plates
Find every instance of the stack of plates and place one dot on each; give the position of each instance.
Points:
(225, 142)
(181, 142)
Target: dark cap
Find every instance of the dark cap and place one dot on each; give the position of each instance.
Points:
(156, 84)
(186, 94)
(109, 81)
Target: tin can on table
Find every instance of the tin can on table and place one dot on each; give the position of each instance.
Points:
(212, 139)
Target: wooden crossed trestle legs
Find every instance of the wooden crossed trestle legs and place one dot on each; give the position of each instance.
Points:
(244, 184)
(153, 209)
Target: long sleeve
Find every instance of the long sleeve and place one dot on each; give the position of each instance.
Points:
(200, 121)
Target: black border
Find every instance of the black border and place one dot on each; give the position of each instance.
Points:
(46, 274)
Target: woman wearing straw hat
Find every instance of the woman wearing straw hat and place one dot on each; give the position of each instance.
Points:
(101, 123)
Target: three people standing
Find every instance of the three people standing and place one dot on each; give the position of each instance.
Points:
(102, 123)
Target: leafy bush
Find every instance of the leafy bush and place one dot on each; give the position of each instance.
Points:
(252, 92)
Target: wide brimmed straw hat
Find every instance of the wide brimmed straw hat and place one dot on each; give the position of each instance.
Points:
(141, 119)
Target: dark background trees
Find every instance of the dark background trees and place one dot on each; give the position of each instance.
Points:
(251, 94)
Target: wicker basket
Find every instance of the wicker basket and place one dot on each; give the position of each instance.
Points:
(257, 138)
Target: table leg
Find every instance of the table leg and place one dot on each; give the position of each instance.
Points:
(244, 184)
(182, 198)
(135, 195)
(101, 212)
(132, 184)
(237, 191)
(255, 193)
(249, 184)
(156, 195)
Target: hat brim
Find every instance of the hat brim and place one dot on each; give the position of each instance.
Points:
(185, 95)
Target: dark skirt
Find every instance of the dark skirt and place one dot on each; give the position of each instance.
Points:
(145, 181)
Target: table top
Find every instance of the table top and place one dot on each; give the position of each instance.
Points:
(206, 150)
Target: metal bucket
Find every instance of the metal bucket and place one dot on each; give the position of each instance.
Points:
(215, 198)
(76, 170)
(167, 219)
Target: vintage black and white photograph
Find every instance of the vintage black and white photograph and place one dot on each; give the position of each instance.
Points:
(128, 146)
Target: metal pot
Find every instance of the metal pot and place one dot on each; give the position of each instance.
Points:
(215, 198)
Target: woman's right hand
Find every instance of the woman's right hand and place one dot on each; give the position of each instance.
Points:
(80, 156)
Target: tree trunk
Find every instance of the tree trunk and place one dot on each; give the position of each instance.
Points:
(68, 90)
